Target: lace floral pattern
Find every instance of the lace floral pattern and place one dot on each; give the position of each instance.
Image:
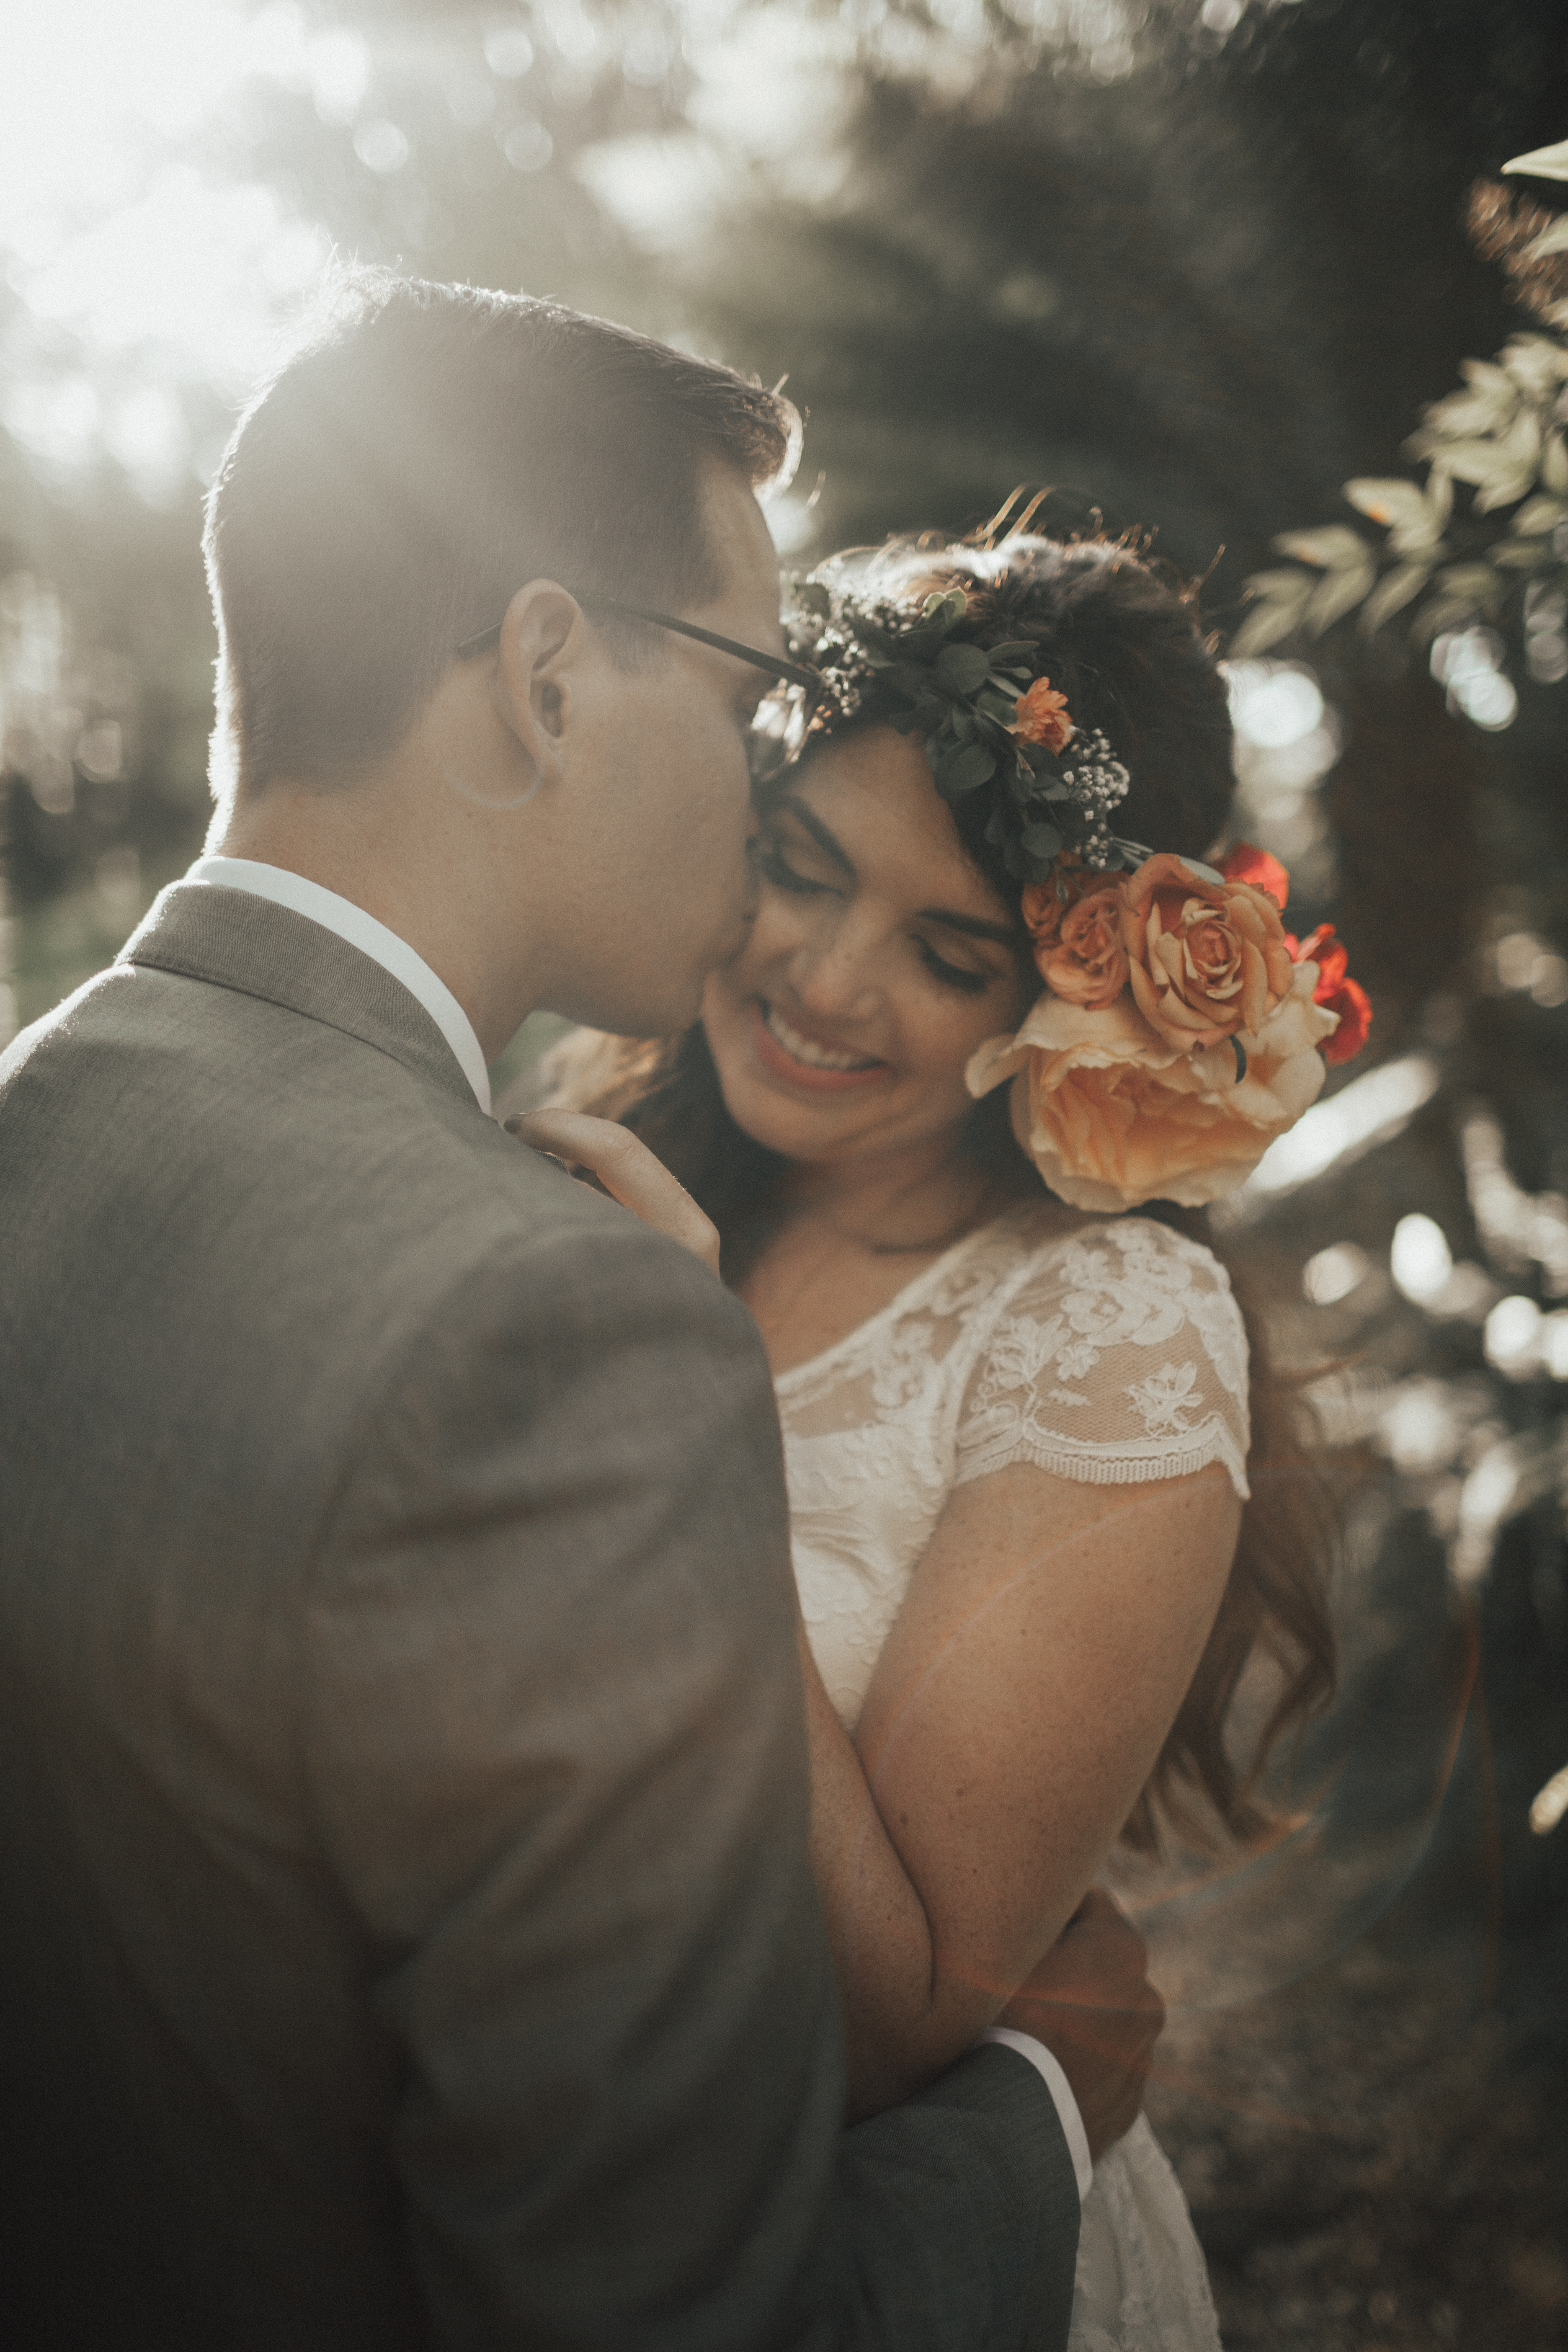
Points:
(1119, 1356)
(1114, 1353)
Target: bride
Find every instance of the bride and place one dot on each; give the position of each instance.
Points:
(1017, 1432)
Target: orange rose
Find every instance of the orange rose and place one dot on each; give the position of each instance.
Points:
(1112, 1114)
(1044, 904)
(1088, 963)
(1335, 990)
(1040, 716)
(1206, 958)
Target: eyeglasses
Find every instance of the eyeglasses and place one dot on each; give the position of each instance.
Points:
(787, 673)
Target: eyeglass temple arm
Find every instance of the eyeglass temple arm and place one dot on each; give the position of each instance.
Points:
(773, 663)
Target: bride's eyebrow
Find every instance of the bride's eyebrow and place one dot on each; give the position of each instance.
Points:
(974, 926)
(826, 842)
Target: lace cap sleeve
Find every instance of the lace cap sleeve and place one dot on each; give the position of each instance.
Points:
(1118, 1355)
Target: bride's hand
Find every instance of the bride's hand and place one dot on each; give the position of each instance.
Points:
(1090, 2003)
(628, 1171)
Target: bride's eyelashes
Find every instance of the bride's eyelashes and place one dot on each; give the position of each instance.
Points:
(777, 869)
(772, 863)
(953, 975)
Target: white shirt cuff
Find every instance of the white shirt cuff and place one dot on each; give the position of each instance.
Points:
(1056, 2084)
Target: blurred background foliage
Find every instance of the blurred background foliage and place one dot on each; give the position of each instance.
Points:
(1195, 264)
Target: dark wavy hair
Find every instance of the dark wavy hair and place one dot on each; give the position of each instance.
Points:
(1124, 643)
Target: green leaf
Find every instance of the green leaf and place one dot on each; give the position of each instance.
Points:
(962, 669)
(1542, 163)
(1240, 1050)
(1539, 514)
(964, 770)
(1337, 593)
(1335, 548)
(1268, 622)
(1285, 579)
(962, 723)
(1015, 650)
(1042, 840)
(1196, 866)
(1392, 594)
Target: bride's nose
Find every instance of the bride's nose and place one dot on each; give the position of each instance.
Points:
(835, 976)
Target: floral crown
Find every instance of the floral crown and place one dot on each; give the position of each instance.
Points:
(988, 713)
(1181, 1029)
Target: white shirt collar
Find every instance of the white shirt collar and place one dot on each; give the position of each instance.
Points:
(373, 938)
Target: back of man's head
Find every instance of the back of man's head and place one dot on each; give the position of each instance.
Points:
(424, 453)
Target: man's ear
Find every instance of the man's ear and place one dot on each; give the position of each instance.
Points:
(544, 642)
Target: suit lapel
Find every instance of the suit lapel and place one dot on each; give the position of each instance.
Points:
(233, 939)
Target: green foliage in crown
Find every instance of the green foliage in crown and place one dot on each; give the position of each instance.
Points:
(984, 707)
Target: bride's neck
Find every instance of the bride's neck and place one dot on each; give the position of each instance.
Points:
(890, 1200)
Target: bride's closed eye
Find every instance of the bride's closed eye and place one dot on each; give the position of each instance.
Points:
(953, 975)
(772, 863)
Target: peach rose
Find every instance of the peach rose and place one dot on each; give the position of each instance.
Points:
(1088, 963)
(1044, 904)
(1207, 959)
(1113, 1114)
(1040, 716)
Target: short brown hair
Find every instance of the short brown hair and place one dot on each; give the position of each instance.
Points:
(424, 453)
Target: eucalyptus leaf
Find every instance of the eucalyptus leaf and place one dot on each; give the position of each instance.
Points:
(1018, 650)
(963, 724)
(962, 668)
(1042, 840)
(965, 770)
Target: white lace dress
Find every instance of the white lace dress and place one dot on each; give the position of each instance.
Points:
(1112, 1354)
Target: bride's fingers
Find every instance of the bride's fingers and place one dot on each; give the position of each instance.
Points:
(628, 1171)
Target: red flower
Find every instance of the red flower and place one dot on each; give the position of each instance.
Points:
(1245, 863)
(1336, 990)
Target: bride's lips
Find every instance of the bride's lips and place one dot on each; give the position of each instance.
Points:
(780, 1063)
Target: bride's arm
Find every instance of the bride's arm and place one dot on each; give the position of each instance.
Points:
(1047, 1641)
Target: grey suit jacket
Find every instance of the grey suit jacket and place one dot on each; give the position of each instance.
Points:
(409, 1933)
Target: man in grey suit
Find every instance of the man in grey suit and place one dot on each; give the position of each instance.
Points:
(409, 1938)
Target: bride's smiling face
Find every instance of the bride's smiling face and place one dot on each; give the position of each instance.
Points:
(880, 959)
